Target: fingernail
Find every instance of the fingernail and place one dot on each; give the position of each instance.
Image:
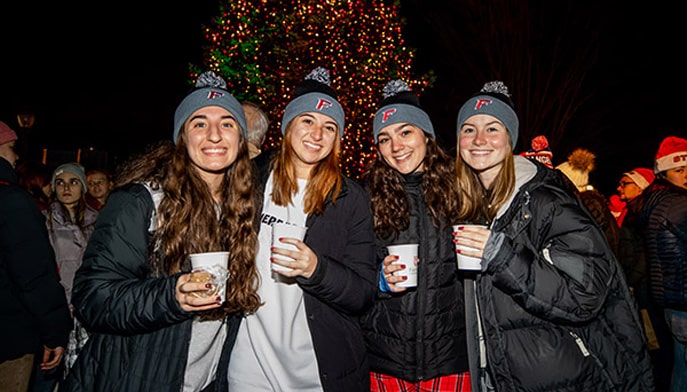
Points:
(208, 285)
(219, 300)
(457, 250)
(404, 266)
(461, 227)
(405, 278)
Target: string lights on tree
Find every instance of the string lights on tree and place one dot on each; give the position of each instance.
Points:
(263, 49)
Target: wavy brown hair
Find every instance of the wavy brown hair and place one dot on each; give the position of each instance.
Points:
(325, 180)
(478, 204)
(188, 217)
(390, 204)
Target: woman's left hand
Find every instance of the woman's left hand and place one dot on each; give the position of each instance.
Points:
(474, 237)
(187, 294)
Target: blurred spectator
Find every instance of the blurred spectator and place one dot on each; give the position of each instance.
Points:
(99, 187)
(36, 180)
(617, 207)
(34, 317)
(632, 256)
(70, 222)
(631, 185)
(540, 151)
(257, 123)
(580, 163)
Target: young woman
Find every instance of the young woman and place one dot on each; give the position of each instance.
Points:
(411, 189)
(306, 336)
(552, 310)
(133, 291)
(70, 222)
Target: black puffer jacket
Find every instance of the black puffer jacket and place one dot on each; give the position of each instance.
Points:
(420, 334)
(139, 338)
(554, 305)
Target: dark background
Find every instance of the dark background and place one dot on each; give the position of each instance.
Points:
(109, 75)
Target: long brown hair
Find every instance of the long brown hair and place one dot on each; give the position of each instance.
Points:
(325, 180)
(188, 217)
(390, 204)
(478, 204)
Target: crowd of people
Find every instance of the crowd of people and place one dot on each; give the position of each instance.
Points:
(575, 290)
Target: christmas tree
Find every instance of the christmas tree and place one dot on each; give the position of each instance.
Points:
(263, 49)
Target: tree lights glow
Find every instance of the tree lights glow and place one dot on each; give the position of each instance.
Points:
(263, 49)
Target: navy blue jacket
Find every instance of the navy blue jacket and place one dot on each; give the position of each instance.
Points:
(664, 219)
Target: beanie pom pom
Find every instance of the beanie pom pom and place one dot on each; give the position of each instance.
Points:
(319, 74)
(210, 79)
(394, 87)
(495, 87)
(582, 159)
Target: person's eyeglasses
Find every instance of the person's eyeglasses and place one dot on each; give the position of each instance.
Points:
(625, 183)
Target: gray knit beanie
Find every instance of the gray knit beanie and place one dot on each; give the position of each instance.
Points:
(314, 94)
(210, 90)
(493, 99)
(400, 105)
(71, 168)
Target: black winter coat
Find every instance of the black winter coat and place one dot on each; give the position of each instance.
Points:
(139, 333)
(553, 303)
(34, 311)
(419, 334)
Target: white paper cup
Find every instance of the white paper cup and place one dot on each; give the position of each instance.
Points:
(467, 263)
(210, 267)
(285, 230)
(407, 255)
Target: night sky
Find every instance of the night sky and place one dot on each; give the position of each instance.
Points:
(111, 78)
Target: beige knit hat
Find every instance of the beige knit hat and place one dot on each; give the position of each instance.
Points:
(578, 166)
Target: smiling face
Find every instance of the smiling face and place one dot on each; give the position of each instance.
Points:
(483, 143)
(403, 147)
(212, 137)
(313, 137)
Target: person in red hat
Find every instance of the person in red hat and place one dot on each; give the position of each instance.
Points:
(631, 185)
(632, 257)
(663, 217)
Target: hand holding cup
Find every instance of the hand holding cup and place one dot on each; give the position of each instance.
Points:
(408, 258)
(470, 241)
(210, 268)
